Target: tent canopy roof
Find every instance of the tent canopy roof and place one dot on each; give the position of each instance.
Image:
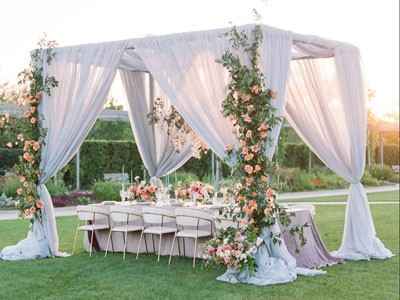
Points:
(304, 46)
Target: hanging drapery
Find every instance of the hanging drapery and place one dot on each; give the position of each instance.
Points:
(85, 75)
(185, 68)
(155, 147)
(326, 106)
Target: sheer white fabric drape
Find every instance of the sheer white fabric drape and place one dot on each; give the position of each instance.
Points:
(158, 154)
(85, 75)
(326, 106)
(185, 68)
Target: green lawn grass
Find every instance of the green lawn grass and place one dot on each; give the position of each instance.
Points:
(84, 277)
(372, 197)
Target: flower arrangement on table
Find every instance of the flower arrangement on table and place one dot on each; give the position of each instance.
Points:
(197, 191)
(248, 106)
(142, 191)
(31, 88)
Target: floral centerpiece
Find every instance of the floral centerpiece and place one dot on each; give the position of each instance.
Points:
(248, 105)
(31, 88)
(197, 191)
(142, 191)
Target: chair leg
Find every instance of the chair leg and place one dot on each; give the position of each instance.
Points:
(125, 244)
(140, 242)
(145, 244)
(159, 248)
(91, 243)
(172, 249)
(108, 242)
(179, 247)
(152, 239)
(75, 237)
(195, 252)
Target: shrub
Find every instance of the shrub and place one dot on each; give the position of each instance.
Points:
(107, 191)
(8, 158)
(382, 173)
(83, 200)
(56, 187)
(183, 178)
(10, 185)
(369, 180)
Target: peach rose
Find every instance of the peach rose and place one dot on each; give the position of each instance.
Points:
(20, 191)
(248, 169)
(9, 145)
(33, 120)
(257, 168)
(27, 157)
(249, 156)
(263, 127)
(246, 118)
(22, 179)
(245, 97)
(255, 89)
(39, 204)
(36, 146)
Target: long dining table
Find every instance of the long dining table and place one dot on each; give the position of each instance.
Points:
(312, 255)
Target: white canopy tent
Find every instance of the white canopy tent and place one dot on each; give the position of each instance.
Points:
(318, 82)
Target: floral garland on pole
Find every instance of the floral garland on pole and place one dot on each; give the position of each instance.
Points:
(32, 85)
(249, 107)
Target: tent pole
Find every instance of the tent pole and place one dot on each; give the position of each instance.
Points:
(213, 168)
(78, 162)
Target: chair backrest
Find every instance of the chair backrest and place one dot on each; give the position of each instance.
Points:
(85, 212)
(126, 214)
(101, 214)
(157, 215)
(299, 207)
(187, 217)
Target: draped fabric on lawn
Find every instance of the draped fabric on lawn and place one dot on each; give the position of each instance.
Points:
(85, 75)
(156, 150)
(327, 107)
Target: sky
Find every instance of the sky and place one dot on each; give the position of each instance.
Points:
(373, 26)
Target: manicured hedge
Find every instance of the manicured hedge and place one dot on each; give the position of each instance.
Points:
(8, 158)
(297, 156)
(99, 156)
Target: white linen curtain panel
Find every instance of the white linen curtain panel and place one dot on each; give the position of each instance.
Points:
(156, 150)
(327, 107)
(85, 75)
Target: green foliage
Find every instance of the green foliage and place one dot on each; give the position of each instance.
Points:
(83, 200)
(383, 173)
(295, 179)
(9, 185)
(183, 177)
(369, 180)
(8, 158)
(297, 156)
(107, 191)
(56, 187)
(99, 157)
(391, 154)
(111, 130)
